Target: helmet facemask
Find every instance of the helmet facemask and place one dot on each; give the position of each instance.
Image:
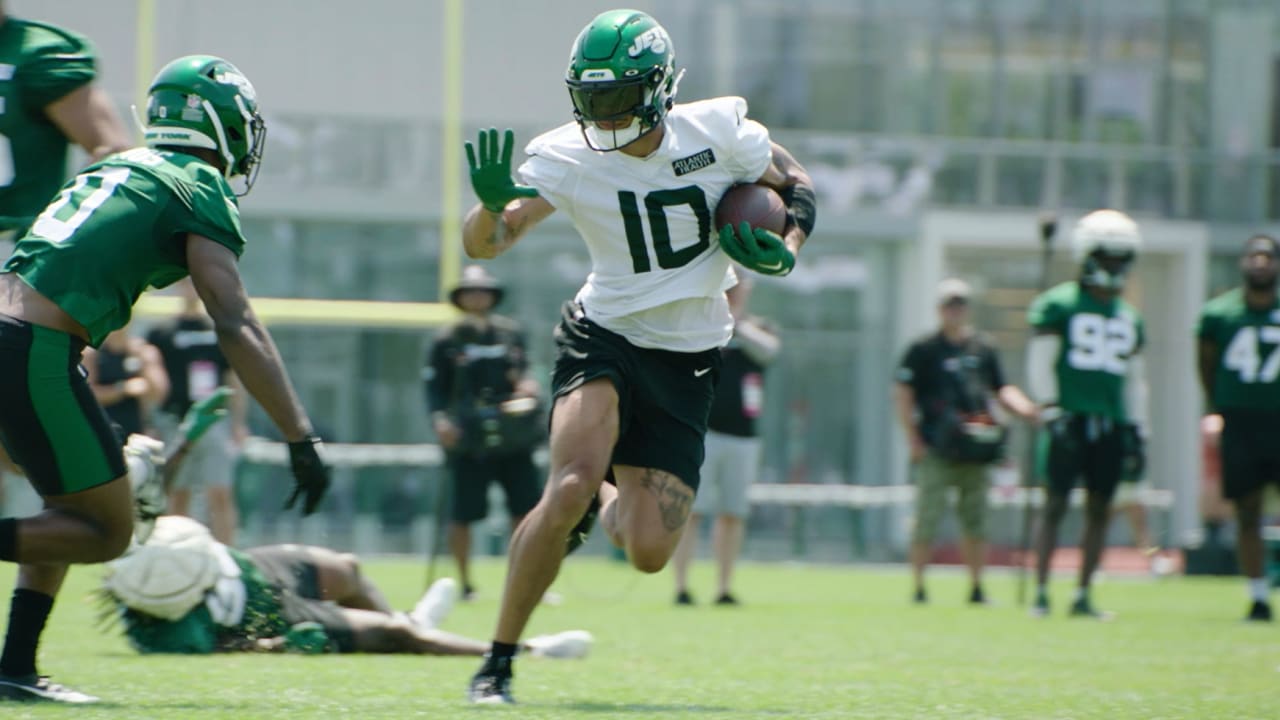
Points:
(1107, 270)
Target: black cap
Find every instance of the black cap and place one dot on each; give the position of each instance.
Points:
(475, 277)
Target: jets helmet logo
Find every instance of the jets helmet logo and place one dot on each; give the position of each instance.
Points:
(654, 40)
(229, 77)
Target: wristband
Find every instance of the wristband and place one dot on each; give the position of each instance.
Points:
(802, 206)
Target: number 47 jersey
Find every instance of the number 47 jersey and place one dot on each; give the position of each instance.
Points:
(1247, 376)
(649, 222)
(1098, 340)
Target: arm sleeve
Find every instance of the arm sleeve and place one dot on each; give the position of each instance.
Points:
(1042, 376)
(61, 62)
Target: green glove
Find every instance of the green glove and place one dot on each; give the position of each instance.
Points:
(491, 177)
(757, 249)
(308, 638)
(202, 415)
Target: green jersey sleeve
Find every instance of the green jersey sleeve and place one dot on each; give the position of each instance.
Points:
(1047, 312)
(57, 62)
(215, 214)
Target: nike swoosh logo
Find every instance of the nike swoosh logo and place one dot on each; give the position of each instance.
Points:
(700, 373)
(775, 266)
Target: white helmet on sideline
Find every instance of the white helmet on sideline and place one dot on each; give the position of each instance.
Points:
(1105, 243)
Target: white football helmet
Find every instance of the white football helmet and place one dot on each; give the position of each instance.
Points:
(1105, 243)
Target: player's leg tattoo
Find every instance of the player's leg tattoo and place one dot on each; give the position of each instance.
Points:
(674, 497)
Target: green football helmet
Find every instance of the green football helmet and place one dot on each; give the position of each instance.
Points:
(201, 101)
(622, 66)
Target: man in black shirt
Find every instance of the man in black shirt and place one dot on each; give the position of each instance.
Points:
(946, 383)
(733, 447)
(484, 410)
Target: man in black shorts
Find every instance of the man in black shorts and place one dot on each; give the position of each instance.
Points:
(1239, 364)
(477, 370)
(638, 347)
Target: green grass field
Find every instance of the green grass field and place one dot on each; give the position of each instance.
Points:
(810, 642)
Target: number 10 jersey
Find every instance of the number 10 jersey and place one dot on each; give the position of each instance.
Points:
(657, 272)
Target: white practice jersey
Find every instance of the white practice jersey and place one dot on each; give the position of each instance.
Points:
(658, 274)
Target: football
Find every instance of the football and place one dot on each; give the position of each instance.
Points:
(752, 203)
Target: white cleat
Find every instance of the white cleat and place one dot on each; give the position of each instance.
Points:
(565, 645)
(435, 604)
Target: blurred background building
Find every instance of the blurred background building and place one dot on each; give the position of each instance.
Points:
(936, 131)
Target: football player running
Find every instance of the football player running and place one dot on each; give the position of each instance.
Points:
(638, 347)
(1084, 369)
(143, 218)
(1239, 338)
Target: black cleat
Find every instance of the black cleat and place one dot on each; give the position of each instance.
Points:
(1082, 608)
(977, 597)
(38, 688)
(491, 685)
(684, 598)
(1259, 611)
(727, 599)
(580, 532)
(920, 598)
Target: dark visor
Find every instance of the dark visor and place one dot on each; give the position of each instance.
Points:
(607, 103)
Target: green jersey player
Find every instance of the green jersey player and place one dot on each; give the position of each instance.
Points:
(638, 348)
(47, 100)
(142, 218)
(184, 592)
(1084, 368)
(1239, 364)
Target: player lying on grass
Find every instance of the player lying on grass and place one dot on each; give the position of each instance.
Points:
(180, 591)
(184, 592)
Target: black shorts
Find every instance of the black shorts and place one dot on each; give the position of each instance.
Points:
(49, 420)
(1086, 448)
(664, 397)
(297, 579)
(1250, 452)
(470, 476)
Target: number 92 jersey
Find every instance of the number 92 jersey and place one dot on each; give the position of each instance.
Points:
(38, 64)
(121, 226)
(1098, 339)
(649, 222)
(1247, 376)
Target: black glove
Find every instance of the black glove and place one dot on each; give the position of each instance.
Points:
(310, 473)
(1135, 454)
